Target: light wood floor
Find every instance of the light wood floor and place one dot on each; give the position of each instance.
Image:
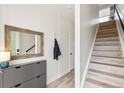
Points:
(67, 81)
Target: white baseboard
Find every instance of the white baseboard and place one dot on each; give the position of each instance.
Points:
(58, 76)
(63, 73)
(72, 68)
(88, 61)
(52, 79)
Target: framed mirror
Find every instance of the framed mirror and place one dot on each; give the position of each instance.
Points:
(23, 43)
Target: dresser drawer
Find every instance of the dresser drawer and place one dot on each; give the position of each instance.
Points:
(23, 73)
(40, 68)
(1, 79)
(38, 82)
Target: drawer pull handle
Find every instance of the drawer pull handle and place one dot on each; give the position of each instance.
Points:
(18, 67)
(38, 62)
(38, 76)
(17, 85)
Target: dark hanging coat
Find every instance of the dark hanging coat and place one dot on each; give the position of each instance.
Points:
(57, 51)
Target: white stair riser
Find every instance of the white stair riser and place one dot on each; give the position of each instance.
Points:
(106, 79)
(107, 39)
(107, 48)
(107, 53)
(113, 61)
(105, 36)
(106, 68)
(108, 43)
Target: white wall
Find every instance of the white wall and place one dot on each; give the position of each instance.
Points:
(121, 8)
(104, 14)
(119, 27)
(104, 6)
(53, 20)
(89, 15)
(88, 23)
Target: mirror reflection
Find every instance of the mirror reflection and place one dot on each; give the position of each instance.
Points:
(24, 43)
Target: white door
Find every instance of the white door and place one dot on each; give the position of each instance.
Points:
(66, 43)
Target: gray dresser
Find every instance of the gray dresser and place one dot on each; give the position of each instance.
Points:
(32, 75)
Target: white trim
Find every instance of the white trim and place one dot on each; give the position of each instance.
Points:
(63, 73)
(69, 53)
(58, 76)
(72, 68)
(77, 45)
(52, 79)
(88, 61)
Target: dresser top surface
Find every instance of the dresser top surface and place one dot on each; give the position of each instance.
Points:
(15, 63)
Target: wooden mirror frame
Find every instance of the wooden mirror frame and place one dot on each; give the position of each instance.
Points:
(7, 37)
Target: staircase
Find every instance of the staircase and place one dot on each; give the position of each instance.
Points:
(106, 68)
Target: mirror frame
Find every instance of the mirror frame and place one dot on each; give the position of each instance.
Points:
(7, 36)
